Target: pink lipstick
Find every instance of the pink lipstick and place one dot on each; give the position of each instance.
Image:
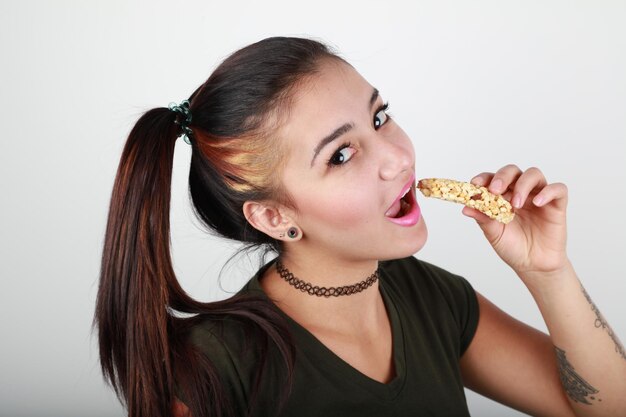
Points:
(405, 211)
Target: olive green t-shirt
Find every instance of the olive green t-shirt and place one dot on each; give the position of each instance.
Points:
(433, 314)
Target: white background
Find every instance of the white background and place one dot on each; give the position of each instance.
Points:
(476, 85)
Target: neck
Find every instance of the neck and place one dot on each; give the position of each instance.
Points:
(329, 271)
(353, 313)
(324, 291)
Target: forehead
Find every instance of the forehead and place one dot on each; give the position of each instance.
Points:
(337, 94)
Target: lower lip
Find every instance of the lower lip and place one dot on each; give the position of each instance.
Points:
(413, 216)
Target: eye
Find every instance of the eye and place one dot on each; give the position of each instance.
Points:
(341, 155)
(381, 117)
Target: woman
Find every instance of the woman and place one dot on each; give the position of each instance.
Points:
(293, 150)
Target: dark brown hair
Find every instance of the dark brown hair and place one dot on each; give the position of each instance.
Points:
(144, 349)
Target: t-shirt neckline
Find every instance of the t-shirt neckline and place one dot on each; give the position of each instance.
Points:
(320, 353)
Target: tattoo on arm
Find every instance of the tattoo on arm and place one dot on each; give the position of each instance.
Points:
(575, 386)
(602, 323)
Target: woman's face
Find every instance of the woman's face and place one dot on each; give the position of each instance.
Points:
(347, 165)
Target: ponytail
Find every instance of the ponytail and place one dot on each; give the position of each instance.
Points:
(144, 349)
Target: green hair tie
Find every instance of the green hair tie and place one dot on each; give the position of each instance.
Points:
(184, 121)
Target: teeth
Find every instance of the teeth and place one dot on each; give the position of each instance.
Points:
(406, 192)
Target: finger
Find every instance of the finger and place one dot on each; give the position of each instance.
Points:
(482, 178)
(491, 228)
(531, 180)
(556, 192)
(477, 215)
(504, 177)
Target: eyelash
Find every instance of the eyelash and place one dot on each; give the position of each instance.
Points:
(384, 107)
(339, 149)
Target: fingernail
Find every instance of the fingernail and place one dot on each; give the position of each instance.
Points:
(517, 201)
(476, 180)
(496, 185)
(538, 200)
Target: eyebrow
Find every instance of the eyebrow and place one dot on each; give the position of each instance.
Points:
(345, 128)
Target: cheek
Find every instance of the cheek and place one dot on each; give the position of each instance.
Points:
(340, 210)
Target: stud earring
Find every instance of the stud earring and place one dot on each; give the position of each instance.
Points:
(292, 232)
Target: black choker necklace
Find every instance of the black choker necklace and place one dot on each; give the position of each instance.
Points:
(324, 291)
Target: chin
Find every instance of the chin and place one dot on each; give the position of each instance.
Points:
(410, 245)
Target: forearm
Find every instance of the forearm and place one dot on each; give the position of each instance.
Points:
(591, 359)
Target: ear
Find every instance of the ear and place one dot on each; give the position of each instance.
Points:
(268, 218)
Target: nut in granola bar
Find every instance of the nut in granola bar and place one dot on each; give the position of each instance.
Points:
(477, 197)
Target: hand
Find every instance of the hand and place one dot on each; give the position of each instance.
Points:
(535, 241)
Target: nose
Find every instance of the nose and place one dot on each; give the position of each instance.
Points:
(395, 159)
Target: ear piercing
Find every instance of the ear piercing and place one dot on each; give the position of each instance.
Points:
(292, 232)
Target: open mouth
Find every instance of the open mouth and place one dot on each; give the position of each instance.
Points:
(400, 207)
(405, 211)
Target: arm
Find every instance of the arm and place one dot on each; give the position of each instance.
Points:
(588, 357)
(513, 364)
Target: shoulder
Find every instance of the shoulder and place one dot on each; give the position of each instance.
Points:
(414, 274)
(204, 362)
(234, 345)
(217, 340)
(411, 265)
(221, 343)
(428, 291)
(242, 349)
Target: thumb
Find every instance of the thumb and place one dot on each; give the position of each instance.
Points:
(491, 228)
